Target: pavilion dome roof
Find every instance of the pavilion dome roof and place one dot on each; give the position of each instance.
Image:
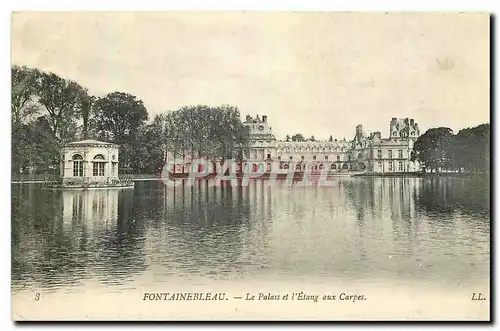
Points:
(89, 142)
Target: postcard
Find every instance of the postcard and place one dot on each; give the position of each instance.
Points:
(250, 166)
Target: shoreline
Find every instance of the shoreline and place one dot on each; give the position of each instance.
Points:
(420, 174)
(143, 178)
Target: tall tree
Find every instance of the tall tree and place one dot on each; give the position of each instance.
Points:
(207, 132)
(61, 98)
(85, 110)
(298, 137)
(149, 154)
(24, 82)
(432, 149)
(23, 108)
(471, 148)
(118, 116)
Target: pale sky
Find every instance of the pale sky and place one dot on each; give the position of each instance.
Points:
(318, 74)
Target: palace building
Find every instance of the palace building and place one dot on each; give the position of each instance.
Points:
(364, 153)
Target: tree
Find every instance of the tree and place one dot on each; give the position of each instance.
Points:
(228, 132)
(287, 138)
(298, 137)
(61, 98)
(214, 133)
(432, 149)
(149, 153)
(23, 107)
(85, 111)
(312, 138)
(119, 117)
(47, 146)
(330, 139)
(23, 90)
(471, 148)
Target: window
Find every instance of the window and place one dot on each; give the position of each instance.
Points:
(349, 157)
(314, 157)
(326, 157)
(98, 166)
(279, 157)
(390, 166)
(291, 157)
(379, 154)
(338, 157)
(302, 157)
(77, 165)
(390, 154)
(400, 166)
(268, 156)
(380, 164)
(333, 167)
(400, 154)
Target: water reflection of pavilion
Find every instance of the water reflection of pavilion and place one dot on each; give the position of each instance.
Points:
(91, 206)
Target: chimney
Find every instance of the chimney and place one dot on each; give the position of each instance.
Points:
(264, 118)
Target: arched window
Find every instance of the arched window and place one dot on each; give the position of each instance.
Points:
(333, 167)
(345, 167)
(98, 165)
(77, 165)
(297, 167)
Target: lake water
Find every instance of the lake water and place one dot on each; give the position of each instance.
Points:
(420, 236)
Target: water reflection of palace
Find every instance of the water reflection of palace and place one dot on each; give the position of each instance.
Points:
(387, 228)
